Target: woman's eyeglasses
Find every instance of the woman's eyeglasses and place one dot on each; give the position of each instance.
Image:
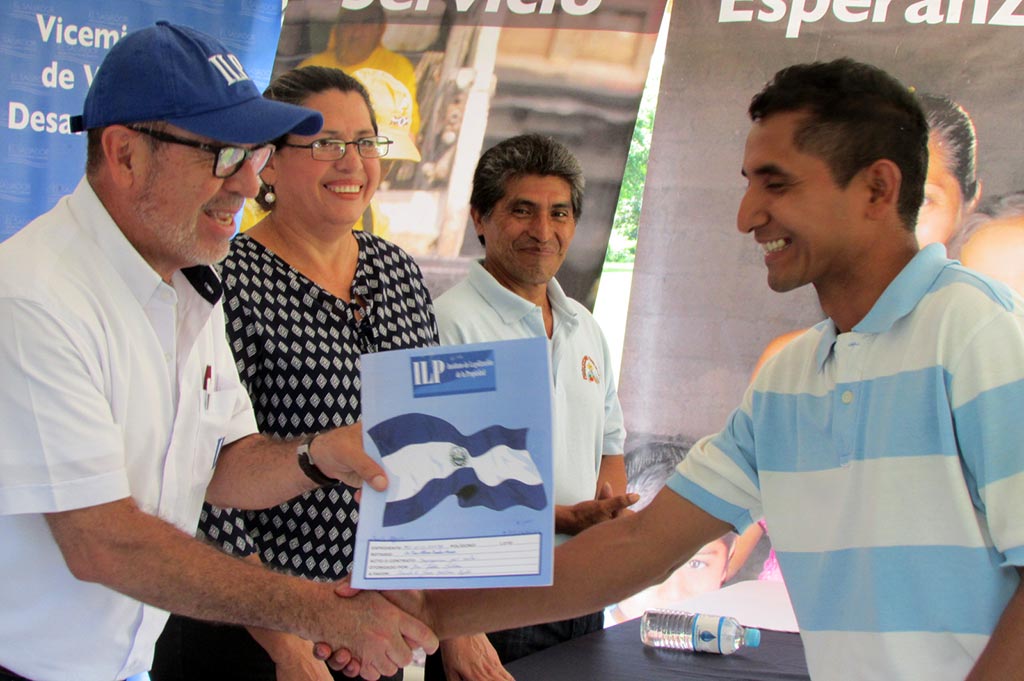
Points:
(332, 150)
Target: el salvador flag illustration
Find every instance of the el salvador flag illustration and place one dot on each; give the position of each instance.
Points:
(427, 459)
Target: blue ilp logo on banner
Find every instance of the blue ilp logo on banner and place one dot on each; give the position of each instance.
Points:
(452, 373)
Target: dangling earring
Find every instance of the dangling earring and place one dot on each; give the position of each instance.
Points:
(269, 196)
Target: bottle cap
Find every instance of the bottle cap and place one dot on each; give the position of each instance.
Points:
(752, 638)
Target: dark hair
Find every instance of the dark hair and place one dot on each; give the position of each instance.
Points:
(1010, 205)
(517, 157)
(650, 464)
(94, 144)
(857, 114)
(93, 151)
(298, 85)
(954, 129)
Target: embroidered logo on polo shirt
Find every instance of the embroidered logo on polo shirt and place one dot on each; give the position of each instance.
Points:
(588, 367)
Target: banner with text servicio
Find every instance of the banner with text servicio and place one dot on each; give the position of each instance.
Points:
(450, 79)
(49, 52)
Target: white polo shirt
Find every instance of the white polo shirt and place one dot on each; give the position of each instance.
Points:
(103, 367)
(587, 420)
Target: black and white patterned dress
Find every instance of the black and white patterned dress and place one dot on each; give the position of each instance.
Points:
(297, 348)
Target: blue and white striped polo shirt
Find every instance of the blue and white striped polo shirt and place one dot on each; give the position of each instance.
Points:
(889, 465)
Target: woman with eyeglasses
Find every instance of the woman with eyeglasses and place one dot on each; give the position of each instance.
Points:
(305, 295)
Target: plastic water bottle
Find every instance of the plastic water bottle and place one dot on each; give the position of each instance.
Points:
(692, 631)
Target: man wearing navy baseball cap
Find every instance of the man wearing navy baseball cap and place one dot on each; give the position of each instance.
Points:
(121, 405)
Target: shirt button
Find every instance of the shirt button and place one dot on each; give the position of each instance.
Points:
(847, 396)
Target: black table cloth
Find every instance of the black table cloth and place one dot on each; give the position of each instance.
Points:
(616, 654)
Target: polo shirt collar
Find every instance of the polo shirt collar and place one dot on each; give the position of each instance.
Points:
(205, 281)
(138, 275)
(898, 300)
(512, 307)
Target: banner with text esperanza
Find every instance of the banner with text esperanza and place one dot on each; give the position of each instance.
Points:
(701, 316)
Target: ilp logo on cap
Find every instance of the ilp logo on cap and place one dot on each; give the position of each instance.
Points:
(230, 68)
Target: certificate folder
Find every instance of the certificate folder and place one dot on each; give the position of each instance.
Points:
(464, 433)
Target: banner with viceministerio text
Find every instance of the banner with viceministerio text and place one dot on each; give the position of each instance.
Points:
(50, 51)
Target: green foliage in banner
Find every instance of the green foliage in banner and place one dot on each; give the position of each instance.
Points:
(626, 225)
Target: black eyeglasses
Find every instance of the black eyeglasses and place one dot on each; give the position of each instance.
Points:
(228, 159)
(332, 150)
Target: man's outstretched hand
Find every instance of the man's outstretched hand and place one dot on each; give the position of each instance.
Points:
(376, 651)
(410, 604)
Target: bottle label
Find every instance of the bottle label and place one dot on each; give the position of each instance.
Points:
(707, 633)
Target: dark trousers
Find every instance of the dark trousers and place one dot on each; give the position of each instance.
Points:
(189, 650)
(512, 644)
(8, 675)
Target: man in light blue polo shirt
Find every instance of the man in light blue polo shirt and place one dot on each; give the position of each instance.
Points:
(527, 196)
(884, 447)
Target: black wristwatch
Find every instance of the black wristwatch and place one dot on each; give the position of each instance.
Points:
(307, 465)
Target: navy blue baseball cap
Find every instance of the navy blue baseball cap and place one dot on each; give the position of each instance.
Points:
(186, 78)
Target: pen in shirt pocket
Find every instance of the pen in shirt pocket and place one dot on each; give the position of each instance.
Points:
(207, 379)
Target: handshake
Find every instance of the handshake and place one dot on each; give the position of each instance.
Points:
(372, 634)
(376, 633)
(367, 634)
